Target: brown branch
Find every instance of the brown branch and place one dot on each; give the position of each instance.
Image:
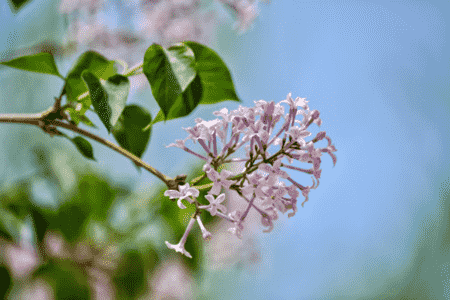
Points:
(50, 119)
(114, 147)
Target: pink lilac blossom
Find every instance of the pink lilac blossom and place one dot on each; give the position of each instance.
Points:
(259, 182)
(185, 192)
(246, 12)
(205, 233)
(219, 180)
(180, 246)
(214, 204)
(171, 280)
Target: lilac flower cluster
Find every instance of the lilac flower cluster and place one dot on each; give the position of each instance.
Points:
(259, 183)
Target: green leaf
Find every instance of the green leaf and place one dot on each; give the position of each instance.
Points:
(16, 5)
(42, 219)
(215, 77)
(169, 72)
(99, 98)
(93, 62)
(67, 279)
(117, 88)
(96, 194)
(185, 103)
(17, 198)
(128, 131)
(84, 147)
(5, 279)
(10, 226)
(77, 117)
(109, 97)
(71, 220)
(130, 279)
(39, 63)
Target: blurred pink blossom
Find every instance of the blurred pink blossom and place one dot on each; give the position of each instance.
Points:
(37, 290)
(142, 23)
(21, 260)
(172, 280)
(56, 245)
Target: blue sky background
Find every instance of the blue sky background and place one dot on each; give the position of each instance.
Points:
(378, 71)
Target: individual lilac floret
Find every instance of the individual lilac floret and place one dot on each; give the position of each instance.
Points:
(184, 193)
(294, 104)
(180, 246)
(214, 204)
(178, 144)
(238, 227)
(205, 233)
(274, 171)
(253, 185)
(220, 180)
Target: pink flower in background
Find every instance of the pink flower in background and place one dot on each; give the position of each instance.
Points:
(56, 246)
(181, 29)
(172, 280)
(141, 23)
(22, 260)
(154, 19)
(69, 6)
(37, 290)
(247, 14)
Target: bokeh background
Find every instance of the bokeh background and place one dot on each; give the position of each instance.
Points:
(378, 225)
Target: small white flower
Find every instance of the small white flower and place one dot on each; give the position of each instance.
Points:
(298, 134)
(299, 102)
(274, 171)
(214, 204)
(180, 246)
(178, 144)
(185, 191)
(267, 222)
(205, 233)
(219, 180)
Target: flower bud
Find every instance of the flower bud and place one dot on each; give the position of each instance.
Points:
(315, 114)
(320, 136)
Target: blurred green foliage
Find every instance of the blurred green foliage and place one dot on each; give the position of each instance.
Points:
(5, 279)
(17, 5)
(83, 211)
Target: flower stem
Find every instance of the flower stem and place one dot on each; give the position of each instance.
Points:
(132, 71)
(40, 120)
(114, 147)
